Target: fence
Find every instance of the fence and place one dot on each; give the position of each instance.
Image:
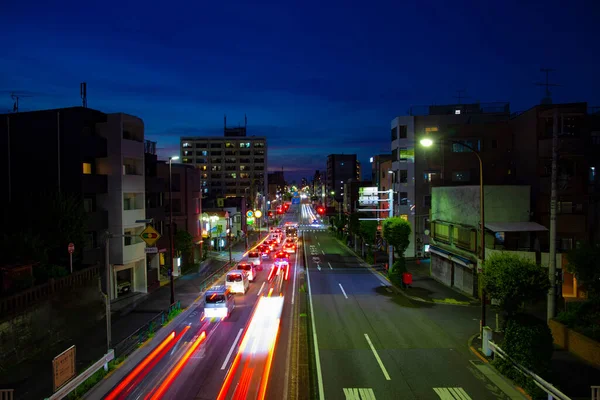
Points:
(130, 343)
(6, 394)
(553, 393)
(39, 293)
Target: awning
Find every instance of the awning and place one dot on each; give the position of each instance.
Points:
(515, 227)
(465, 262)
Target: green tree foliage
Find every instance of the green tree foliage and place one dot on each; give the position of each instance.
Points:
(42, 225)
(287, 196)
(184, 243)
(396, 232)
(584, 263)
(340, 222)
(513, 280)
(528, 341)
(368, 230)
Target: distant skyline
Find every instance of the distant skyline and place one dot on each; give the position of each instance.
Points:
(314, 78)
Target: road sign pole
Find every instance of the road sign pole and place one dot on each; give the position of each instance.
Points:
(71, 261)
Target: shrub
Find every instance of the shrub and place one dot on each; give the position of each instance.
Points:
(528, 342)
(583, 317)
(395, 273)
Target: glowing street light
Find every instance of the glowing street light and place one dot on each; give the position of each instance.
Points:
(426, 142)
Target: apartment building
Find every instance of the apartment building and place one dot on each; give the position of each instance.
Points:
(124, 168)
(66, 144)
(232, 165)
(416, 169)
(155, 210)
(340, 169)
(379, 175)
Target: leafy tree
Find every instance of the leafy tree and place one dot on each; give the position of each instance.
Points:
(314, 198)
(368, 230)
(354, 223)
(340, 222)
(513, 280)
(287, 196)
(184, 243)
(396, 231)
(584, 263)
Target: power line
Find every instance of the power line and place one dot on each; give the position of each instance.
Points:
(548, 95)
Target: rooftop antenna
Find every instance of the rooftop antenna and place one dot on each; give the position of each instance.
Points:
(547, 99)
(16, 96)
(83, 93)
(225, 121)
(460, 96)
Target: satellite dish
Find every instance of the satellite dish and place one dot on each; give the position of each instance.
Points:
(426, 232)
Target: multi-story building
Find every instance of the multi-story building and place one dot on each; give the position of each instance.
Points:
(231, 165)
(276, 184)
(484, 127)
(341, 168)
(187, 201)
(155, 210)
(67, 143)
(378, 173)
(351, 191)
(124, 168)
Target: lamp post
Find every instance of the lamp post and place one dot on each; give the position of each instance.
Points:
(172, 250)
(426, 142)
(392, 185)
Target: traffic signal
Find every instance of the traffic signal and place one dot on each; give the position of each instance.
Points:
(270, 213)
(321, 210)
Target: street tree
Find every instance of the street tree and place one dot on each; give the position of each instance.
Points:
(368, 231)
(584, 263)
(396, 232)
(354, 223)
(513, 280)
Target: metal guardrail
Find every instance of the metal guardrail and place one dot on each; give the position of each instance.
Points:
(553, 393)
(595, 392)
(79, 379)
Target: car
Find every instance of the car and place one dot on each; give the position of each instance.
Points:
(272, 244)
(249, 268)
(289, 247)
(264, 250)
(254, 257)
(281, 257)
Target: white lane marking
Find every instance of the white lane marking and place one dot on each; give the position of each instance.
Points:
(319, 243)
(260, 290)
(318, 267)
(294, 272)
(330, 267)
(323, 252)
(315, 341)
(343, 291)
(359, 394)
(452, 393)
(231, 349)
(385, 373)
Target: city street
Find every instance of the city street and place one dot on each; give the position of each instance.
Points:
(191, 357)
(373, 343)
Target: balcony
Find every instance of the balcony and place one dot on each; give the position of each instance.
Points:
(130, 216)
(134, 184)
(97, 221)
(133, 252)
(94, 184)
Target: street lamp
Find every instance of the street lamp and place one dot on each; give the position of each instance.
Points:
(426, 142)
(171, 159)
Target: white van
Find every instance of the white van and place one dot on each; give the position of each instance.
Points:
(254, 258)
(249, 268)
(237, 281)
(218, 302)
(275, 236)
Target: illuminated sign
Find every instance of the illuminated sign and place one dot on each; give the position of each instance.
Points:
(368, 196)
(257, 213)
(250, 220)
(250, 214)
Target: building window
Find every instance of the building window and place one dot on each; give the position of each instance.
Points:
(91, 241)
(201, 145)
(460, 146)
(187, 144)
(245, 145)
(402, 131)
(87, 168)
(403, 176)
(394, 133)
(592, 175)
(596, 138)
(457, 112)
(133, 201)
(566, 244)
(259, 144)
(427, 201)
(461, 176)
(403, 198)
(215, 145)
(89, 204)
(494, 144)
(176, 205)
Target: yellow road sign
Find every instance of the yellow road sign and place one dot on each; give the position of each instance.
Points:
(150, 235)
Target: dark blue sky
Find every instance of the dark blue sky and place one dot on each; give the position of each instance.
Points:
(315, 77)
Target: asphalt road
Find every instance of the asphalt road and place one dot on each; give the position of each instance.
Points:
(209, 347)
(374, 344)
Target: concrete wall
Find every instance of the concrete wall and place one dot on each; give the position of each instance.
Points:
(460, 204)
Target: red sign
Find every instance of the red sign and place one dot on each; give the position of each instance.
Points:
(71, 248)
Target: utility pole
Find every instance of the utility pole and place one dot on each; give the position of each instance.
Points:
(108, 292)
(229, 238)
(553, 196)
(391, 248)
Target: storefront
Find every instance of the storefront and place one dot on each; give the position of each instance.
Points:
(453, 270)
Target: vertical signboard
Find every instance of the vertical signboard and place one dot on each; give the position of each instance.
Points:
(63, 367)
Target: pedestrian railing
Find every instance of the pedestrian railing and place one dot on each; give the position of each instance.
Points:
(7, 394)
(553, 393)
(595, 392)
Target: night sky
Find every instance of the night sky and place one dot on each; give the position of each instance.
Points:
(314, 77)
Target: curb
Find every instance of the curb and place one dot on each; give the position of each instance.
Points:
(484, 359)
(403, 292)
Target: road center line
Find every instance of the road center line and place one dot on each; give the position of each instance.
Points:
(323, 252)
(260, 290)
(330, 267)
(231, 349)
(294, 272)
(319, 243)
(385, 373)
(315, 341)
(343, 291)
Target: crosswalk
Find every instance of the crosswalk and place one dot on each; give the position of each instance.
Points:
(447, 393)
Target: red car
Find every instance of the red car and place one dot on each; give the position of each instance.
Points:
(289, 247)
(264, 250)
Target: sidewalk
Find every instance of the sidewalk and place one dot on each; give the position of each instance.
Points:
(33, 379)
